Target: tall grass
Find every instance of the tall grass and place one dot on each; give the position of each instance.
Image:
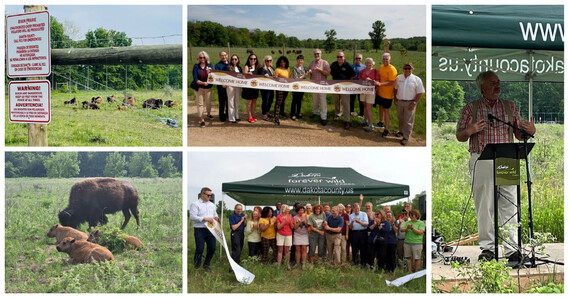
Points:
(71, 125)
(417, 58)
(451, 183)
(33, 265)
(320, 278)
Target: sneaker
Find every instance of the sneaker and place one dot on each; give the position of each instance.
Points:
(347, 125)
(299, 116)
(210, 117)
(202, 124)
(364, 123)
(293, 118)
(353, 113)
(234, 122)
(324, 122)
(404, 142)
(237, 119)
(369, 128)
(486, 255)
(399, 134)
(385, 133)
(380, 124)
(288, 267)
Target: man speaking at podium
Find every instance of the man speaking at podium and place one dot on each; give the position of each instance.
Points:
(475, 125)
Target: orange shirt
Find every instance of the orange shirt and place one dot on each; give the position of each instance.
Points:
(387, 73)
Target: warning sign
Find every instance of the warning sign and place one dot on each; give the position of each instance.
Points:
(28, 51)
(30, 102)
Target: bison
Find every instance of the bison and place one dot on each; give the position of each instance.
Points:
(129, 100)
(153, 103)
(121, 107)
(82, 251)
(130, 242)
(97, 99)
(70, 102)
(60, 232)
(170, 103)
(111, 98)
(91, 199)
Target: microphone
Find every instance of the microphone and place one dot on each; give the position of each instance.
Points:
(491, 118)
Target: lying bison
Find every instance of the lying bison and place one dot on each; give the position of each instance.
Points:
(92, 198)
(60, 232)
(130, 242)
(82, 251)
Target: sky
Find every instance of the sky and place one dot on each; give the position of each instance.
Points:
(134, 20)
(213, 167)
(303, 21)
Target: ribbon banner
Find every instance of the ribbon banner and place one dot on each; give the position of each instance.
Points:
(241, 274)
(236, 79)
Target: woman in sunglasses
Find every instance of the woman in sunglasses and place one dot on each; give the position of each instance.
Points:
(233, 93)
(202, 89)
(267, 96)
(250, 94)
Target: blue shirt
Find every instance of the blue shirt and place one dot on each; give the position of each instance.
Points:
(235, 219)
(222, 66)
(357, 69)
(362, 216)
(200, 209)
(337, 222)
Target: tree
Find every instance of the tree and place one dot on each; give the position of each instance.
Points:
(115, 165)
(377, 34)
(101, 38)
(57, 35)
(166, 167)
(271, 38)
(448, 97)
(330, 43)
(138, 162)
(62, 165)
(149, 172)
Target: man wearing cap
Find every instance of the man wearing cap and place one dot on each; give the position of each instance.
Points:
(408, 91)
(319, 69)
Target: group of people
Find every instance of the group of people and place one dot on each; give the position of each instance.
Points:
(404, 90)
(336, 234)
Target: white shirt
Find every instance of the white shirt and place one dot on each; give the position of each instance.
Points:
(200, 209)
(408, 87)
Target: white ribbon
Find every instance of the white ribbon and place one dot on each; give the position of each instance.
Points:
(404, 279)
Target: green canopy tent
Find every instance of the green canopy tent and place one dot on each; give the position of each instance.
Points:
(521, 43)
(312, 184)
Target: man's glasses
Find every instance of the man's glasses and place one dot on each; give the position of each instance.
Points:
(339, 57)
(407, 68)
(209, 196)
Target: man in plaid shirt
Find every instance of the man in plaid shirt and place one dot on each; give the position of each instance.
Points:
(472, 126)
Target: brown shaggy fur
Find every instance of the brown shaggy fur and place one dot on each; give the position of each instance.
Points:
(82, 251)
(129, 100)
(60, 232)
(131, 242)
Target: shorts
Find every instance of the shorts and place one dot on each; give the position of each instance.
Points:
(412, 250)
(284, 240)
(384, 102)
(367, 98)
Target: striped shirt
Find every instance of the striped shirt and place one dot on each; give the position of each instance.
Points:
(498, 132)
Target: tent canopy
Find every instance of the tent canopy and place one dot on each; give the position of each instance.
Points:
(308, 184)
(521, 42)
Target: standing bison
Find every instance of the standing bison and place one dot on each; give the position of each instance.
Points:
(92, 198)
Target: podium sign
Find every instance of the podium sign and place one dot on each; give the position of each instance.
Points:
(507, 171)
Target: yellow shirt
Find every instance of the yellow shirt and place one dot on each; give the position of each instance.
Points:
(387, 73)
(270, 232)
(282, 73)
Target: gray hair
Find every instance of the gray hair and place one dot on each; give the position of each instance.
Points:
(205, 55)
(481, 78)
(386, 55)
(369, 59)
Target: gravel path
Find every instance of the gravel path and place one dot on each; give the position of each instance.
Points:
(289, 133)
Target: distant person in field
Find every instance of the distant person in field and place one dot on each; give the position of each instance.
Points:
(203, 211)
(285, 225)
(237, 222)
(281, 71)
(299, 71)
(473, 126)
(300, 239)
(357, 66)
(384, 98)
(372, 75)
(408, 91)
(251, 94)
(319, 70)
(267, 96)
(414, 230)
(342, 70)
(268, 234)
(253, 234)
(233, 93)
(202, 89)
(223, 64)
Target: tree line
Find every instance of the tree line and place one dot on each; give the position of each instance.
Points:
(93, 164)
(208, 33)
(117, 77)
(449, 97)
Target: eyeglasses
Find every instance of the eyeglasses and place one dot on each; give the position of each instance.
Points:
(358, 58)
(209, 196)
(253, 59)
(339, 57)
(234, 59)
(407, 68)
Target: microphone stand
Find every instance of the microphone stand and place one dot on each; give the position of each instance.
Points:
(525, 136)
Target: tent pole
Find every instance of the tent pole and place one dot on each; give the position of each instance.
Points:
(222, 207)
(318, 200)
(530, 90)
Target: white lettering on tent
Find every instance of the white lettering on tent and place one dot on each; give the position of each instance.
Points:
(531, 30)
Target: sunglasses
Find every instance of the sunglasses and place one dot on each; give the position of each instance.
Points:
(339, 57)
(209, 196)
(407, 68)
(252, 58)
(202, 57)
(316, 54)
(268, 60)
(234, 59)
(358, 58)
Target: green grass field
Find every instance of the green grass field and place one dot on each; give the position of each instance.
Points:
(33, 265)
(417, 58)
(451, 183)
(71, 125)
(272, 279)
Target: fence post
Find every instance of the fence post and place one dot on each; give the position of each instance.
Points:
(37, 133)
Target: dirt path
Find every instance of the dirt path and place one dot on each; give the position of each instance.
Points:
(290, 133)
